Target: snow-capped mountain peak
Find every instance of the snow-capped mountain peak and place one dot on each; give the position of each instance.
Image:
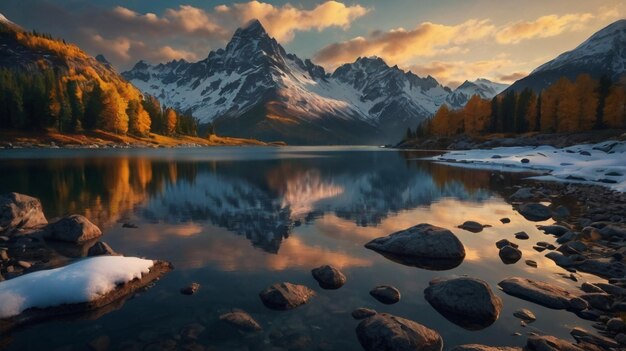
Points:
(482, 87)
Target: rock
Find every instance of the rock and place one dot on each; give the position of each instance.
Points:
(525, 315)
(472, 226)
(621, 338)
(560, 259)
(4, 256)
(329, 277)
(611, 289)
(467, 302)
(424, 245)
(581, 335)
(362, 313)
(600, 301)
(577, 304)
(557, 230)
(99, 249)
(531, 263)
(130, 226)
(522, 194)
(616, 325)
(509, 254)
(190, 289)
(561, 212)
(522, 236)
(24, 264)
(383, 331)
(549, 343)
(505, 242)
(590, 288)
(241, 320)
(191, 331)
(505, 220)
(535, 212)
(73, 229)
(477, 347)
(18, 211)
(525, 160)
(100, 343)
(604, 267)
(285, 296)
(544, 294)
(585, 153)
(386, 294)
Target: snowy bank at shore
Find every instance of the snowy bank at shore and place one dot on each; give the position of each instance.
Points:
(83, 281)
(603, 163)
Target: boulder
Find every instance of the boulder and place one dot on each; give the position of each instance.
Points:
(18, 211)
(73, 229)
(362, 313)
(554, 229)
(285, 296)
(549, 343)
(241, 321)
(535, 212)
(504, 242)
(583, 336)
(386, 294)
(424, 245)
(100, 248)
(477, 347)
(383, 331)
(467, 302)
(541, 293)
(522, 236)
(522, 194)
(329, 277)
(472, 226)
(509, 254)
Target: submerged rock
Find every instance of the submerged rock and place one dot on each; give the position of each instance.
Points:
(522, 236)
(329, 277)
(190, 289)
(100, 248)
(549, 343)
(424, 246)
(386, 294)
(467, 302)
(535, 212)
(544, 294)
(388, 332)
(473, 226)
(285, 296)
(509, 254)
(240, 320)
(525, 314)
(362, 313)
(18, 211)
(73, 229)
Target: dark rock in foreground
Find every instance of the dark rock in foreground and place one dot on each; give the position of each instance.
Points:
(241, 321)
(535, 212)
(509, 254)
(477, 347)
(544, 294)
(386, 294)
(73, 229)
(473, 226)
(100, 248)
(285, 296)
(18, 211)
(391, 333)
(329, 277)
(467, 302)
(424, 246)
(549, 343)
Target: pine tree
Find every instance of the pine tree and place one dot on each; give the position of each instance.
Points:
(604, 88)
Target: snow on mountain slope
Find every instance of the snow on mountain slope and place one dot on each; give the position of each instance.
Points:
(604, 53)
(254, 88)
(484, 88)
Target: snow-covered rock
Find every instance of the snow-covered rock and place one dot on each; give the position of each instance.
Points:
(603, 163)
(84, 281)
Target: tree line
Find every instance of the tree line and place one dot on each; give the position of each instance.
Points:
(565, 106)
(37, 100)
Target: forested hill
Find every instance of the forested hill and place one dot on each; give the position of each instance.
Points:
(48, 83)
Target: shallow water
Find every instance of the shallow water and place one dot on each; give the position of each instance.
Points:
(237, 220)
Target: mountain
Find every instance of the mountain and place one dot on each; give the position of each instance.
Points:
(484, 88)
(604, 53)
(254, 88)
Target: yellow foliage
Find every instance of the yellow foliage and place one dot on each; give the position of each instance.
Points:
(615, 108)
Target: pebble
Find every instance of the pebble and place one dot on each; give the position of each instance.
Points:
(190, 289)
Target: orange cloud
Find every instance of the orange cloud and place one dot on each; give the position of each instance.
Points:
(400, 45)
(448, 72)
(542, 27)
(510, 78)
(282, 22)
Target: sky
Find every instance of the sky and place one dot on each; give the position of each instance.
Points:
(452, 40)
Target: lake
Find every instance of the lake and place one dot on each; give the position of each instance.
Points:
(237, 220)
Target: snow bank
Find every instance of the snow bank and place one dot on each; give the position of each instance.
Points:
(603, 163)
(82, 281)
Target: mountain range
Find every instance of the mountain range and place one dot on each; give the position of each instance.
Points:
(253, 88)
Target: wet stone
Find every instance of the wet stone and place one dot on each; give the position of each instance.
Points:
(386, 294)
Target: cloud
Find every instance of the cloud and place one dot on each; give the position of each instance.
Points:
(512, 77)
(400, 45)
(542, 27)
(282, 22)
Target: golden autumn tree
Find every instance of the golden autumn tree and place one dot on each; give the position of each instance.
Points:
(549, 104)
(615, 107)
(476, 115)
(531, 113)
(171, 120)
(441, 121)
(113, 116)
(586, 97)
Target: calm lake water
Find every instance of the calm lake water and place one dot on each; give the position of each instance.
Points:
(237, 220)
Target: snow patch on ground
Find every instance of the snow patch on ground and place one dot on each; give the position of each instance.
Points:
(83, 281)
(603, 163)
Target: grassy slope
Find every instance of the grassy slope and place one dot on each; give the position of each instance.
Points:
(102, 138)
